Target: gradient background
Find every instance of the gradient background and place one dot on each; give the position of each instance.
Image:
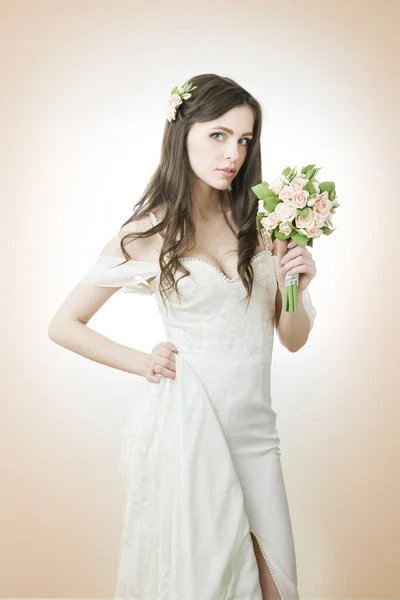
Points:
(84, 86)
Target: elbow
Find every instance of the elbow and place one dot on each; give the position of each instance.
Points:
(294, 349)
(56, 330)
(60, 330)
(298, 347)
(53, 331)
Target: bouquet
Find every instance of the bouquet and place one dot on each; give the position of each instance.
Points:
(295, 206)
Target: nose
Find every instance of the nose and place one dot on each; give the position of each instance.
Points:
(231, 151)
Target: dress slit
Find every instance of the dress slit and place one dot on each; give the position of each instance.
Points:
(264, 554)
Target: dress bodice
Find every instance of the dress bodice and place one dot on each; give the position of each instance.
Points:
(210, 313)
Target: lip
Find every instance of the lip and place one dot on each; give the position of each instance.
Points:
(228, 172)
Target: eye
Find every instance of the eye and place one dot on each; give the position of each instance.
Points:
(248, 140)
(216, 133)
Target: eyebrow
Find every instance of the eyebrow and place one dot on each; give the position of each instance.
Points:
(230, 130)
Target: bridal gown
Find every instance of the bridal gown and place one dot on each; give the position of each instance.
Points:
(200, 455)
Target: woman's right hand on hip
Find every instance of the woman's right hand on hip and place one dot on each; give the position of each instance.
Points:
(162, 361)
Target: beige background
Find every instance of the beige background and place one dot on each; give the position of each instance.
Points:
(83, 86)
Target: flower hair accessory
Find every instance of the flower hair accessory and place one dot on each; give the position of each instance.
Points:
(178, 95)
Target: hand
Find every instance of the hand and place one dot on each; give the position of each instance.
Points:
(296, 259)
(162, 360)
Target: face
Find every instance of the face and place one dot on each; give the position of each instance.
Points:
(220, 144)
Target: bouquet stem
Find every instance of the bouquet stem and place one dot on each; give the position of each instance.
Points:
(290, 300)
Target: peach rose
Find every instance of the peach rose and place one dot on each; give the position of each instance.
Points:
(319, 221)
(323, 205)
(286, 210)
(285, 228)
(286, 192)
(270, 221)
(314, 232)
(298, 183)
(276, 186)
(300, 199)
(175, 100)
(307, 221)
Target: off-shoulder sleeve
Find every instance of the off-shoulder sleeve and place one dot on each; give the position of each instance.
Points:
(112, 271)
(307, 302)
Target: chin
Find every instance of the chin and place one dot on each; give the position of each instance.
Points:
(221, 185)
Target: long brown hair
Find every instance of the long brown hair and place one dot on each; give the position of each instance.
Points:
(170, 184)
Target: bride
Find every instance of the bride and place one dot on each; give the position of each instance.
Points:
(207, 516)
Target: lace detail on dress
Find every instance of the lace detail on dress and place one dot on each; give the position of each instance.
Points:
(145, 467)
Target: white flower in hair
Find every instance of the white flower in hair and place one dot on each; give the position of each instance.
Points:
(178, 95)
(170, 112)
(175, 100)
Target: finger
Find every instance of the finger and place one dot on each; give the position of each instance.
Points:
(165, 372)
(282, 249)
(166, 349)
(303, 269)
(293, 261)
(168, 363)
(170, 346)
(288, 269)
(296, 251)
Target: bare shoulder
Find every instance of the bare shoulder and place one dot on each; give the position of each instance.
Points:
(141, 249)
(85, 300)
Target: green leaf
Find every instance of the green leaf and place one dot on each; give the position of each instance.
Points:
(286, 172)
(307, 168)
(303, 211)
(309, 187)
(326, 186)
(300, 239)
(311, 173)
(261, 190)
(258, 221)
(281, 236)
(270, 203)
(316, 171)
(327, 231)
(175, 91)
(310, 242)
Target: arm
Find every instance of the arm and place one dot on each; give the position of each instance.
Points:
(293, 329)
(68, 328)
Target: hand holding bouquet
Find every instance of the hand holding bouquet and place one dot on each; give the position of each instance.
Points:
(295, 207)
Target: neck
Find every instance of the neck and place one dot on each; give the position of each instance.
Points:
(209, 202)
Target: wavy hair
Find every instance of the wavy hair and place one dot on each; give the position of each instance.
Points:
(171, 185)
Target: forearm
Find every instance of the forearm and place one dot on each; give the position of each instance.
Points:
(293, 327)
(91, 344)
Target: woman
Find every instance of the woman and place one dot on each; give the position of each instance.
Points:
(206, 515)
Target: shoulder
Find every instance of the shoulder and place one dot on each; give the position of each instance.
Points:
(138, 248)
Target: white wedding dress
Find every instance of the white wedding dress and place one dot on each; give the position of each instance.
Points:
(200, 457)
